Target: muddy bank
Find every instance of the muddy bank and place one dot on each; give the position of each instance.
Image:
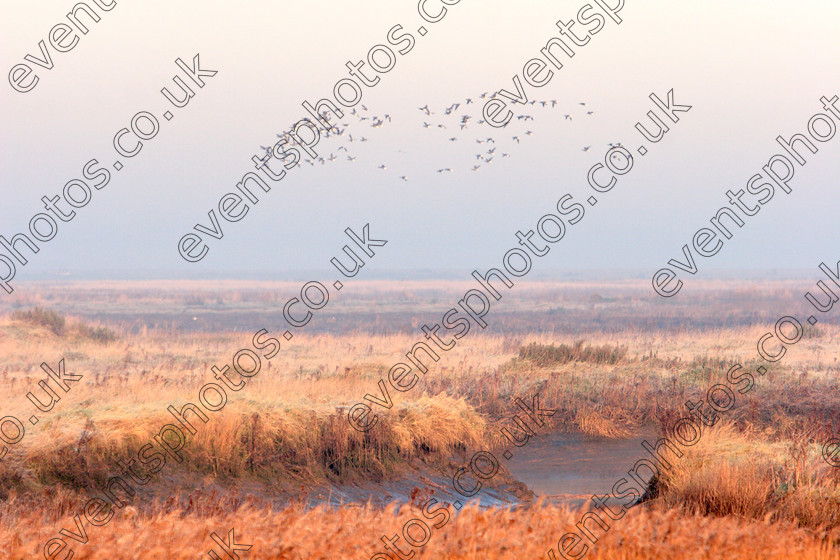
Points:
(565, 468)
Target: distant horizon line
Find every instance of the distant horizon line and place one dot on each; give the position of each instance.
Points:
(400, 274)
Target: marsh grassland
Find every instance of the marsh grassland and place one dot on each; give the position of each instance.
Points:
(612, 361)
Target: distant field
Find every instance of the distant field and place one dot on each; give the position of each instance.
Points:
(385, 307)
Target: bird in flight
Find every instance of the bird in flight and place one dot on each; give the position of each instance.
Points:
(383, 167)
(403, 177)
(586, 148)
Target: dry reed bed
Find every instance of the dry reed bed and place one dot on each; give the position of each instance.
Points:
(303, 445)
(495, 534)
(732, 472)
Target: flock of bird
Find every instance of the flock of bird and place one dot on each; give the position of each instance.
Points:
(456, 118)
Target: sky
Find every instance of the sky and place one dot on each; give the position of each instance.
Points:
(750, 70)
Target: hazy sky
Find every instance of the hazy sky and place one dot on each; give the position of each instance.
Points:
(751, 70)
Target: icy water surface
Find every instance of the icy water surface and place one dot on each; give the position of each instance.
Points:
(572, 467)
